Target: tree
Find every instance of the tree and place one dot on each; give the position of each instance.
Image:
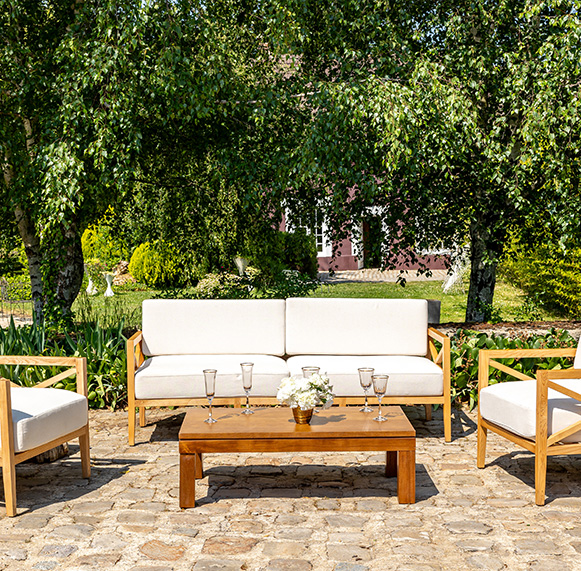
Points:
(98, 95)
(458, 120)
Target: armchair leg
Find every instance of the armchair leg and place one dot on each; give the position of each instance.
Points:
(428, 408)
(9, 477)
(131, 412)
(85, 454)
(481, 447)
(540, 477)
(142, 416)
(447, 413)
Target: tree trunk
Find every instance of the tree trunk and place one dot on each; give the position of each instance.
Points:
(482, 276)
(33, 255)
(63, 271)
(31, 242)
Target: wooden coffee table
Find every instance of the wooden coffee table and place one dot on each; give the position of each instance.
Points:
(343, 429)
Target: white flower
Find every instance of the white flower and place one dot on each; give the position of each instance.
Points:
(305, 393)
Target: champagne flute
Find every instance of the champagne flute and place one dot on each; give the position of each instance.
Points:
(379, 386)
(247, 384)
(308, 372)
(210, 380)
(365, 374)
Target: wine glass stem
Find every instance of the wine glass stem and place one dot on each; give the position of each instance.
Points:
(379, 399)
(247, 400)
(211, 408)
(366, 405)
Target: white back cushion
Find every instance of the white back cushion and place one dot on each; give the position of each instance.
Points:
(577, 361)
(356, 326)
(213, 326)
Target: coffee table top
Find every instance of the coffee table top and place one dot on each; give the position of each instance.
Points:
(278, 422)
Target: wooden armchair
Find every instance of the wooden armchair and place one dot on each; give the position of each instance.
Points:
(542, 415)
(36, 419)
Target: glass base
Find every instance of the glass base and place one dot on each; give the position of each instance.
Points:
(381, 418)
(247, 411)
(366, 409)
(210, 420)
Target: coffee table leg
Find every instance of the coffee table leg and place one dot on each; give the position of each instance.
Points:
(391, 464)
(199, 466)
(406, 477)
(188, 467)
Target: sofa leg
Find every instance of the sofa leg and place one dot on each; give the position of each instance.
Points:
(141, 416)
(428, 408)
(131, 425)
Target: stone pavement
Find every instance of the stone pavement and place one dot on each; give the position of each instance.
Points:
(292, 512)
(376, 275)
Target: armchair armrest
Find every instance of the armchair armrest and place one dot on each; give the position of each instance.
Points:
(487, 358)
(78, 367)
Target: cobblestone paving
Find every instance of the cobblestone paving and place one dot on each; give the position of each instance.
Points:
(376, 275)
(292, 512)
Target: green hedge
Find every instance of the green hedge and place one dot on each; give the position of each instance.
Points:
(100, 243)
(465, 346)
(104, 349)
(549, 277)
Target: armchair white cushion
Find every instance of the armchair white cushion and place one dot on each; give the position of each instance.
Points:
(43, 415)
(513, 406)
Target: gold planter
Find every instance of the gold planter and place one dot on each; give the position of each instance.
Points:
(302, 416)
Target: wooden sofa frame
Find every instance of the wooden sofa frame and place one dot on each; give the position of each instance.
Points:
(441, 357)
(543, 445)
(76, 366)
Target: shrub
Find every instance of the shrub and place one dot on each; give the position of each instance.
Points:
(15, 288)
(253, 285)
(550, 278)
(465, 347)
(13, 262)
(104, 349)
(156, 265)
(100, 243)
(300, 252)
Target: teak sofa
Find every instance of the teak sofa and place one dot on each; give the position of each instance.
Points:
(181, 338)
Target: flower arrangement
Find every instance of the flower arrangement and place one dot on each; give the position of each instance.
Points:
(305, 393)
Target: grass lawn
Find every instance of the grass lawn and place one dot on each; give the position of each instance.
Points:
(507, 299)
(126, 305)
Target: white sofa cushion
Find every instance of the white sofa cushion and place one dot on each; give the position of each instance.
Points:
(338, 326)
(42, 415)
(181, 376)
(512, 405)
(408, 375)
(213, 326)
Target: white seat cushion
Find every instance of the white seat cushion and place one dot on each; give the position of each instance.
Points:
(338, 326)
(408, 376)
(42, 415)
(181, 376)
(512, 405)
